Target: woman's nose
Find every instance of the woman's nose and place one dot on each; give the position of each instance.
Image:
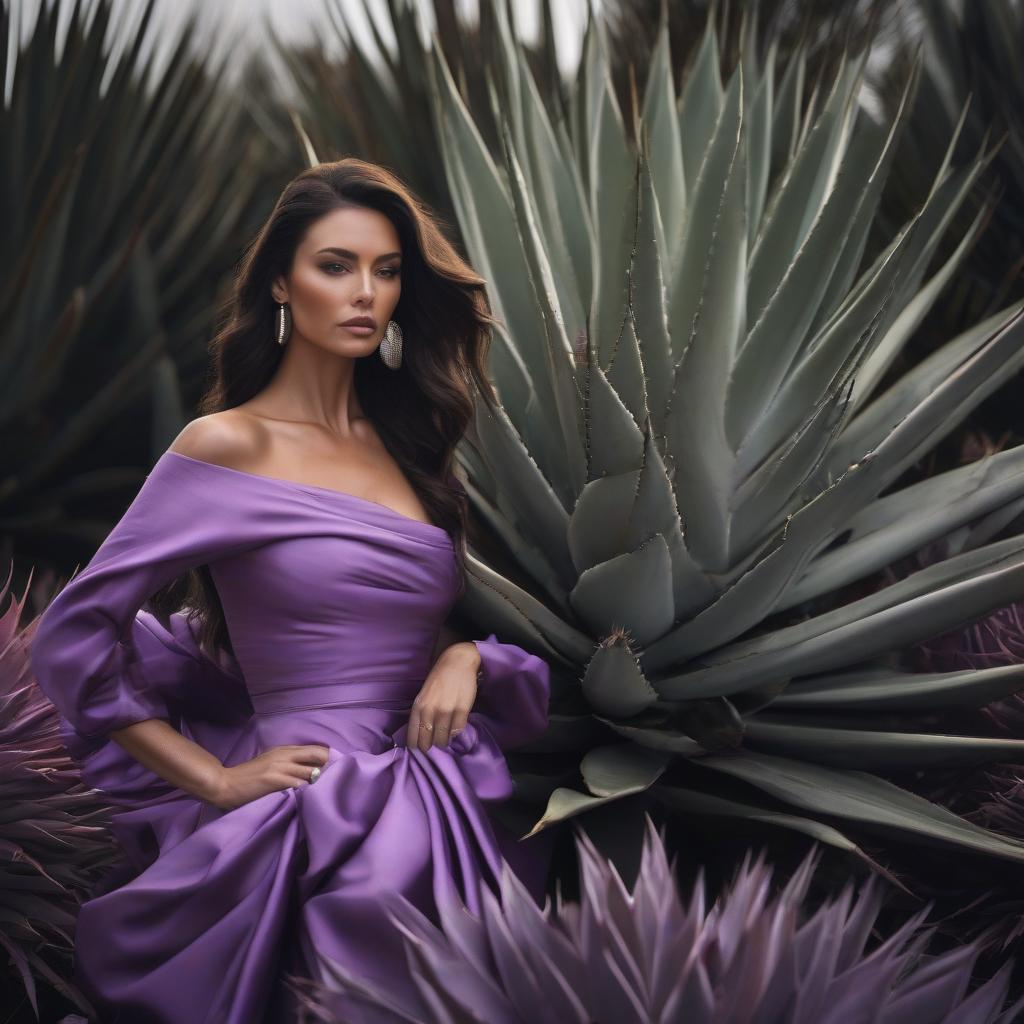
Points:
(365, 287)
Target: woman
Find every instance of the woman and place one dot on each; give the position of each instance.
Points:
(292, 734)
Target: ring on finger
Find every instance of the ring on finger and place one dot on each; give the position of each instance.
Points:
(314, 775)
(427, 726)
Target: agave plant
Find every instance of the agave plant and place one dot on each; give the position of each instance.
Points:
(376, 100)
(644, 956)
(685, 479)
(971, 63)
(122, 191)
(54, 831)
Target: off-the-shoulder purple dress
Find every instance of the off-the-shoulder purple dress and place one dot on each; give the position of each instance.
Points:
(333, 603)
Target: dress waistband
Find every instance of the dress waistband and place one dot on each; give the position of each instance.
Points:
(384, 693)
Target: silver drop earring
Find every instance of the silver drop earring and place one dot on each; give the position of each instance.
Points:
(284, 326)
(391, 346)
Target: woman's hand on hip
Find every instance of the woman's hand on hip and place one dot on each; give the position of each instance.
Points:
(283, 767)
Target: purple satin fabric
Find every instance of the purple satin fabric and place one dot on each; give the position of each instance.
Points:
(333, 603)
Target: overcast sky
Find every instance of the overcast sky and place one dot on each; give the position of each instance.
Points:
(241, 24)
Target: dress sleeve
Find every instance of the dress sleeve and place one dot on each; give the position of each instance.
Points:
(512, 693)
(101, 661)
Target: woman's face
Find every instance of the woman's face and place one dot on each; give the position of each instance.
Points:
(347, 266)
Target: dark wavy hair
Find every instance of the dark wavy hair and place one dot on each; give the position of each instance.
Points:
(420, 410)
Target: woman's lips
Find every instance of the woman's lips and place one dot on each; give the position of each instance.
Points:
(360, 329)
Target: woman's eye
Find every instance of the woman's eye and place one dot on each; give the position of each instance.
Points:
(389, 271)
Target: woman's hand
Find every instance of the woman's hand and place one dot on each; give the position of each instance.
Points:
(441, 708)
(284, 767)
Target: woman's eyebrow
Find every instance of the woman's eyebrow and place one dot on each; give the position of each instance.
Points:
(354, 256)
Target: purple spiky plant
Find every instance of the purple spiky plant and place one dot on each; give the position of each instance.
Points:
(54, 839)
(643, 956)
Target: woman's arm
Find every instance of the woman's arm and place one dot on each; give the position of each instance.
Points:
(510, 696)
(158, 746)
(107, 666)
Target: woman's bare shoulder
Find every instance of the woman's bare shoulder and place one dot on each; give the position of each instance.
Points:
(227, 438)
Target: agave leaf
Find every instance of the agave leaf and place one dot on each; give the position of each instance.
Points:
(756, 593)
(559, 365)
(872, 802)
(669, 741)
(496, 249)
(556, 183)
(885, 689)
(703, 458)
(773, 343)
(940, 371)
(931, 224)
(696, 802)
(900, 523)
(613, 683)
(610, 773)
(655, 510)
(799, 193)
(844, 342)
(538, 509)
(616, 442)
(700, 105)
(667, 173)
(612, 195)
(649, 306)
(925, 604)
(599, 522)
(872, 750)
(786, 120)
(526, 554)
(632, 591)
(984, 529)
(525, 620)
(758, 118)
(625, 373)
(686, 281)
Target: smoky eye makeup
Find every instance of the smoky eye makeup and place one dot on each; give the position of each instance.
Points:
(391, 271)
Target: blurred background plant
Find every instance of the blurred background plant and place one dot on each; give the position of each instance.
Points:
(972, 62)
(743, 634)
(125, 205)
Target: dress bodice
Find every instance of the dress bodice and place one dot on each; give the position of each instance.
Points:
(354, 594)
